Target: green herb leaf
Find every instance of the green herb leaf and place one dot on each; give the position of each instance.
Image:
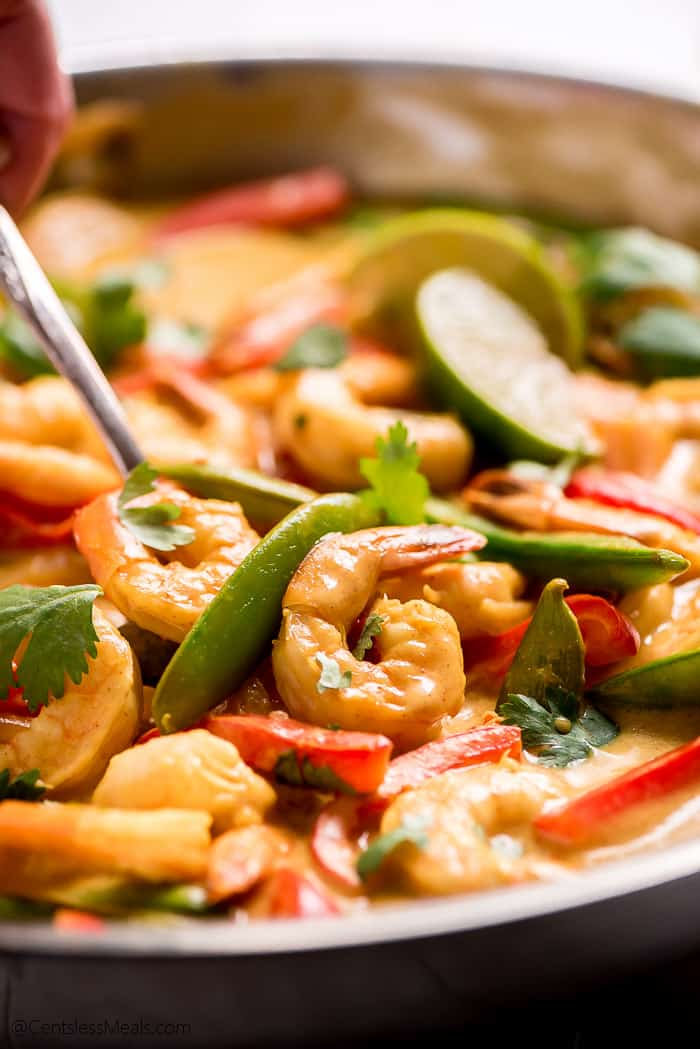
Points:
(320, 346)
(664, 342)
(189, 341)
(149, 274)
(616, 261)
(398, 488)
(551, 653)
(59, 620)
(151, 525)
(373, 857)
(104, 312)
(331, 675)
(25, 787)
(372, 628)
(545, 727)
(303, 773)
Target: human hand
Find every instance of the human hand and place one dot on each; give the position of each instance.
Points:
(36, 100)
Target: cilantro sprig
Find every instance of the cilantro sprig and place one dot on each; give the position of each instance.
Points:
(372, 628)
(397, 486)
(57, 620)
(151, 525)
(554, 731)
(413, 831)
(320, 346)
(25, 787)
(299, 771)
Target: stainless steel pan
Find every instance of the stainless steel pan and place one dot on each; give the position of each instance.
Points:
(592, 152)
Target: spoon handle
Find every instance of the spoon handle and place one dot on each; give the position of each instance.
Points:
(26, 285)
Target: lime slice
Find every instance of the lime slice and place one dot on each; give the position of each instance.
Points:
(488, 361)
(403, 252)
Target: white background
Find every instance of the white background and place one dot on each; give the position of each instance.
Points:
(653, 43)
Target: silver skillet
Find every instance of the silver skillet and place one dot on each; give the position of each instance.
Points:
(592, 152)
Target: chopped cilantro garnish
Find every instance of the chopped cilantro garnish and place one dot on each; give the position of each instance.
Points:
(58, 622)
(397, 486)
(616, 261)
(320, 346)
(331, 674)
(301, 772)
(25, 787)
(373, 857)
(152, 525)
(553, 729)
(372, 628)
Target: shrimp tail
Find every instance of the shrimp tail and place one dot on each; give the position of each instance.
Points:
(404, 548)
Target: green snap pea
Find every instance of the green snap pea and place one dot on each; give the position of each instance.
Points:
(235, 632)
(590, 561)
(264, 500)
(673, 681)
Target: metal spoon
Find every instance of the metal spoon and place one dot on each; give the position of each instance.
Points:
(26, 285)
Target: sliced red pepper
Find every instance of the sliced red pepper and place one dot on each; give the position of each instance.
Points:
(580, 820)
(149, 734)
(283, 202)
(341, 826)
(70, 920)
(474, 747)
(15, 703)
(358, 759)
(291, 895)
(617, 488)
(607, 633)
(240, 858)
(25, 524)
(260, 340)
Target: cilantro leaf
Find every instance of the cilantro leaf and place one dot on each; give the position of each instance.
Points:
(25, 787)
(398, 488)
(58, 622)
(320, 346)
(331, 675)
(103, 311)
(372, 628)
(303, 773)
(616, 261)
(374, 855)
(151, 525)
(663, 341)
(553, 731)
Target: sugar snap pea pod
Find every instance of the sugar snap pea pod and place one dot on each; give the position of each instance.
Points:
(673, 681)
(13, 909)
(264, 500)
(109, 895)
(551, 653)
(588, 561)
(234, 633)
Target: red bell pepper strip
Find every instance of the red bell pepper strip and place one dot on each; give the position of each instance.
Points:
(70, 920)
(260, 340)
(290, 895)
(617, 488)
(149, 734)
(477, 746)
(338, 833)
(358, 759)
(608, 636)
(240, 858)
(283, 202)
(26, 525)
(580, 820)
(15, 703)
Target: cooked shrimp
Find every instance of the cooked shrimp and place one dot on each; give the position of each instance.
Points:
(542, 506)
(323, 426)
(188, 770)
(47, 566)
(418, 679)
(164, 598)
(42, 845)
(483, 597)
(47, 410)
(476, 823)
(71, 740)
(51, 476)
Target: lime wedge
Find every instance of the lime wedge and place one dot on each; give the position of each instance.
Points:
(489, 362)
(404, 251)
